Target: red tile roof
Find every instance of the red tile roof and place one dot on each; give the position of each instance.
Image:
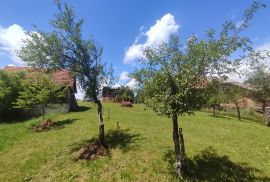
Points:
(62, 77)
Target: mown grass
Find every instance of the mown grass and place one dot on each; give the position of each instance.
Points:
(247, 114)
(218, 148)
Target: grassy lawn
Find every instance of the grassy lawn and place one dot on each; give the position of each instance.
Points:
(218, 148)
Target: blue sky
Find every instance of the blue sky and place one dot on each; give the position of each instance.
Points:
(124, 27)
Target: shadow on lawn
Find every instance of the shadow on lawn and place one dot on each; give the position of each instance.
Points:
(82, 109)
(209, 166)
(120, 139)
(49, 125)
(221, 117)
(64, 122)
(15, 117)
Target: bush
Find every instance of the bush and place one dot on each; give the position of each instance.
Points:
(10, 86)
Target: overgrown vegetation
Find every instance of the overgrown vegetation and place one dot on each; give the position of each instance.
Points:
(39, 89)
(10, 86)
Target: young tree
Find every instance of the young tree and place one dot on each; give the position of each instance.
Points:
(175, 81)
(216, 98)
(234, 94)
(66, 48)
(40, 90)
(260, 80)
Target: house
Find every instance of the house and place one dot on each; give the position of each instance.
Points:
(63, 78)
(119, 94)
(109, 94)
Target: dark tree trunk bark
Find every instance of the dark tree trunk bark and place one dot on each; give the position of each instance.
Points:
(214, 110)
(179, 156)
(43, 113)
(265, 119)
(238, 111)
(182, 146)
(101, 123)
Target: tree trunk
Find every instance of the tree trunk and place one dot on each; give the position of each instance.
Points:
(265, 119)
(182, 146)
(214, 110)
(179, 156)
(238, 111)
(43, 113)
(101, 123)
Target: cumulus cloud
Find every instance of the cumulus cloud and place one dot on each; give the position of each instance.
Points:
(245, 67)
(80, 93)
(11, 40)
(124, 76)
(132, 83)
(125, 80)
(160, 32)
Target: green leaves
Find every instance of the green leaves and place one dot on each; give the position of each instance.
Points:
(39, 89)
(178, 80)
(260, 81)
(10, 85)
(65, 47)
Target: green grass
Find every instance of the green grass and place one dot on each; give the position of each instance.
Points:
(247, 114)
(218, 148)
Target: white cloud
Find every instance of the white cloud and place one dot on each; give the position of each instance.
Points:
(265, 48)
(132, 83)
(80, 93)
(134, 52)
(245, 69)
(117, 85)
(125, 80)
(124, 76)
(11, 40)
(160, 32)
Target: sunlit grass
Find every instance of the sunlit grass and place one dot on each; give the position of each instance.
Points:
(142, 149)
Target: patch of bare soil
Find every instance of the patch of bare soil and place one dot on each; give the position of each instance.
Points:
(92, 151)
(45, 125)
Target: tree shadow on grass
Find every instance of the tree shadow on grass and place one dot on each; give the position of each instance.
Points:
(82, 109)
(16, 117)
(209, 166)
(53, 125)
(65, 122)
(221, 117)
(120, 139)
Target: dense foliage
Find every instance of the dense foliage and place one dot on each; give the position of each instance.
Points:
(40, 90)
(10, 86)
(125, 94)
(260, 80)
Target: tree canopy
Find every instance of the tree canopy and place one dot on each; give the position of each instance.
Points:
(178, 80)
(10, 86)
(260, 81)
(66, 47)
(40, 90)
